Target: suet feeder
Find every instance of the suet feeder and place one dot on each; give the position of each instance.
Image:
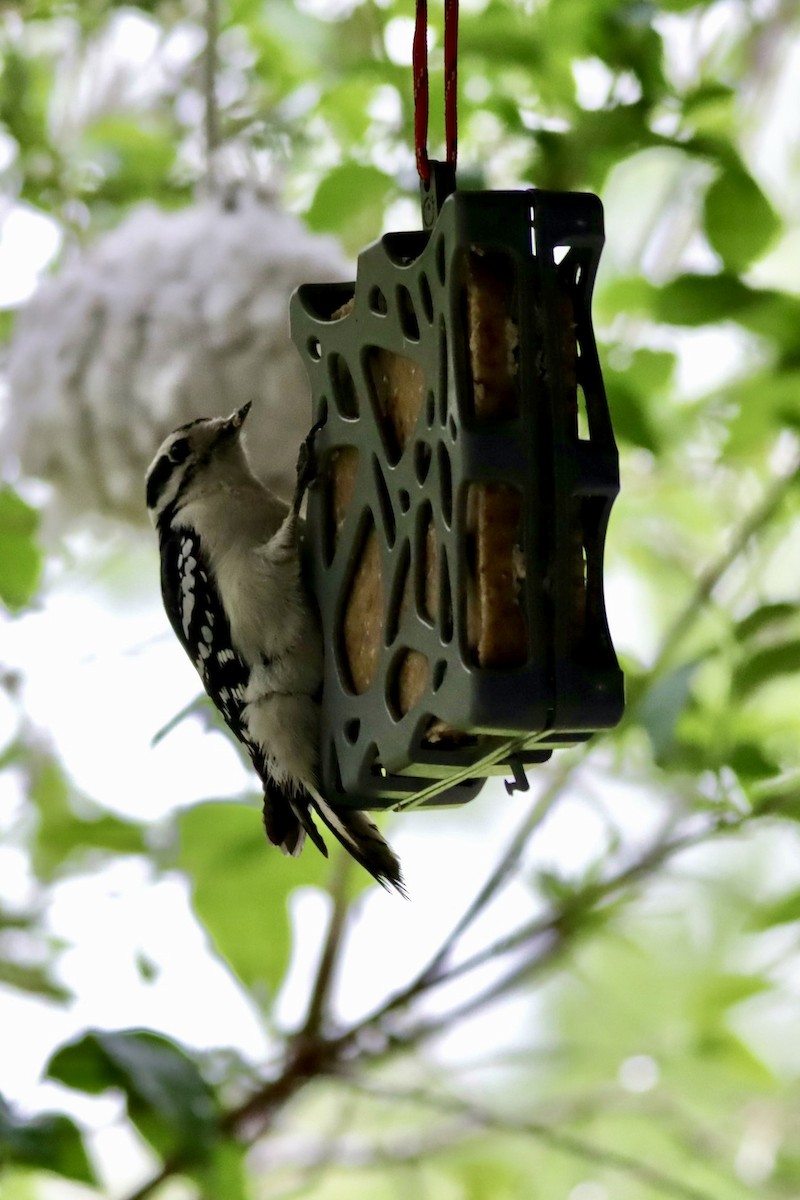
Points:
(467, 468)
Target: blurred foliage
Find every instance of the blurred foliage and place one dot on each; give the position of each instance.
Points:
(658, 1051)
(20, 557)
(231, 891)
(166, 1097)
(49, 1142)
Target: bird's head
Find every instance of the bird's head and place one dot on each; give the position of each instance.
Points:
(192, 458)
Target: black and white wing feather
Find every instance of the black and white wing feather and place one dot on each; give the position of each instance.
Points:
(195, 612)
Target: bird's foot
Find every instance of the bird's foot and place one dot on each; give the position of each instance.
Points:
(306, 464)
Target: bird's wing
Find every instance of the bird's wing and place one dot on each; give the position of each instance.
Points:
(196, 614)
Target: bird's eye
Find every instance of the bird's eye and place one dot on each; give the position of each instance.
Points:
(179, 451)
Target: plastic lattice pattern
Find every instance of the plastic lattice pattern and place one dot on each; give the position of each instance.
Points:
(467, 470)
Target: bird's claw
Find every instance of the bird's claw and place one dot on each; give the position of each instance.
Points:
(306, 464)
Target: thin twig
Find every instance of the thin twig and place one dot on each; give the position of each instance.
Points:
(586, 898)
(311, 1158)
(553, 933)
(315, 1163)
(432, 972)
(708, 579)
(211, 109)
(565, 1143)
(502, 872)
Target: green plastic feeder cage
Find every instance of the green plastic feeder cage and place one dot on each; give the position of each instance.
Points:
(466, 472)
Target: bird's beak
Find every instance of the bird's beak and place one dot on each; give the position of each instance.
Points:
(234, 422)
(237, 419)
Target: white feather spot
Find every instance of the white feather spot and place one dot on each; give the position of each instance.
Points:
(204, 651)
(206, 633)
(187, 608)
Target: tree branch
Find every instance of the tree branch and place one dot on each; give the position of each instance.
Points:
(330, 951)
(553, 934)
(502, 872)
(588, 897)
(315, 1057)
(433, 972)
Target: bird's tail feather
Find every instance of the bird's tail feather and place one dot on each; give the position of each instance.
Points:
(285, 826)
(288, 818)
(361, 839)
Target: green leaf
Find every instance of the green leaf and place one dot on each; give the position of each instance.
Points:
(32, 979)
(47, 1142)
(224, 1173)
(631, 420)
(24, 90)
(662, 704)
(764, 618)
(346, 107)
(20, 557)
(739, 220)
(633, 392)
(767, 401)
(168, 1100)
(8, 317)
(720, 1047)
(779, 912)
(710, 107)
(751, 762)
(136, 159)
(148, 970)
(62, 832)
(502, 34)
(10, 919)
(779, 796)
(701, 299)
(695, 300)
(14, 753)
(483, 1176)
(350, 201)
(723, 991)
(556, 888)
(765, 666)
(241, 885)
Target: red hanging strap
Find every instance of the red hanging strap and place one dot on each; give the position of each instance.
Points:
(420, 66)
(451, 80)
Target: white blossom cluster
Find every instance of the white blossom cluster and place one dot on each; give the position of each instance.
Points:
(172, 316)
